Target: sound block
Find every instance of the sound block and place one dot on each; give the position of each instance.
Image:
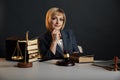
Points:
(65, 63)
(24, 65)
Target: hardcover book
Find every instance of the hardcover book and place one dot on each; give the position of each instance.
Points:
(81, 58)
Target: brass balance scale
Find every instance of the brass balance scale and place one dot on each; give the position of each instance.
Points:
(19, 55)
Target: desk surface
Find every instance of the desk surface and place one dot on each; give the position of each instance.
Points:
(49, 71)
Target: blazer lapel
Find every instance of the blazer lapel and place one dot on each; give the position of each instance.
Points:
(59, 49)
(65, 39)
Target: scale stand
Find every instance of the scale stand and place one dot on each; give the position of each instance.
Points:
(25, 63)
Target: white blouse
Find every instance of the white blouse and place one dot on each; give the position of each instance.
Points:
(60, 44)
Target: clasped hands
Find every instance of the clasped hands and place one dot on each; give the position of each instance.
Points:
(56, 35)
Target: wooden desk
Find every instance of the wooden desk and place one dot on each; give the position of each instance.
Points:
(49, 71)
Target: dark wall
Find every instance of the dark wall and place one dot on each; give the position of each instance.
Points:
(95, 22)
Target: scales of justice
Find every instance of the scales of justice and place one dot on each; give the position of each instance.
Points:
(23, 59)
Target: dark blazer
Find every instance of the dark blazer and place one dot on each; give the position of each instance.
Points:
(69, 45)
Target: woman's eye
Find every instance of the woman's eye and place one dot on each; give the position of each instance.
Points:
(61, 19)
(53, 18)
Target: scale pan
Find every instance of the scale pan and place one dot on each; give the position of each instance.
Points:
(17, 57)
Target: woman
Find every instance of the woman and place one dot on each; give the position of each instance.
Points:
(56, 40)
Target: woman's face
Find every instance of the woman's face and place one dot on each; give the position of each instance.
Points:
(57, 21)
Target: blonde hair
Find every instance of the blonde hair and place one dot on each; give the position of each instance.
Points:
(49, 15)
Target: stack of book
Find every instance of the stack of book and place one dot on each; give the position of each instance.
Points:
(30, 50)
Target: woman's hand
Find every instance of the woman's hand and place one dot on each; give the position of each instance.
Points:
(55, 35)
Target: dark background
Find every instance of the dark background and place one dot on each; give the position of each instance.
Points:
(95, 22)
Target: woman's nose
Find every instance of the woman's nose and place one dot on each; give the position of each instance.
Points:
(57, 21)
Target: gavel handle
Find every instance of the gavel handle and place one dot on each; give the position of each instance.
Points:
(115, 61)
